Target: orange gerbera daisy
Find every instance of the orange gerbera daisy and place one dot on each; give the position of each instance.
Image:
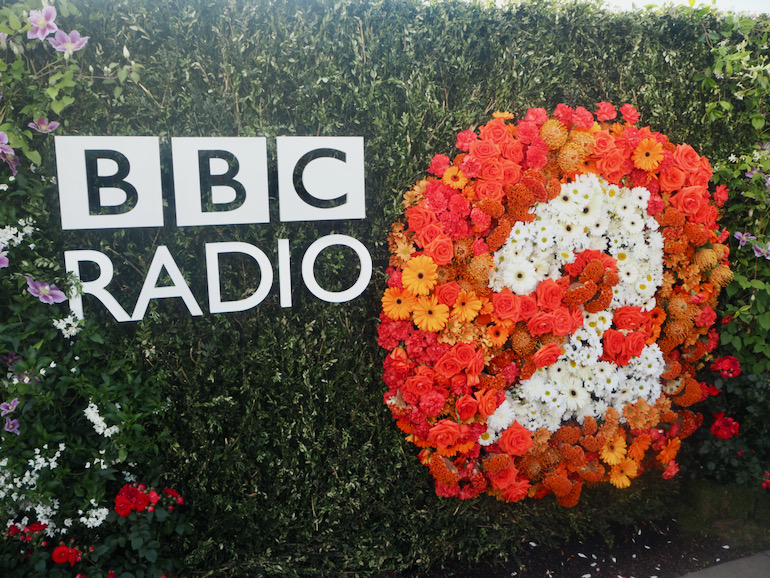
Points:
(430, 315)
(397, 303)
(497, 334)
(614, 450)
(454, 177)
(466, 307)
(621, 474)
(647, 155)
(669, 452)
(419, 276)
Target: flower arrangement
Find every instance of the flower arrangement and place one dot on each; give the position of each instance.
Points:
(550, 299)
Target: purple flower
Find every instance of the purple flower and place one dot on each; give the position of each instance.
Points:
(42, 23)
(68, 43)
(7, 154)
(8, 407)
(760, 251)
(749, 174)
(744, 238)
(3, 258)
(45, 292)
(12, 425)
(44, 125)
(10, 359)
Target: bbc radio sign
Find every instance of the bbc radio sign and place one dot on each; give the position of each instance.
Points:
(115, 183)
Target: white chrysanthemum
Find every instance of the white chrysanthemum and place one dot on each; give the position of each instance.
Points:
(502, 418)
(520, 277)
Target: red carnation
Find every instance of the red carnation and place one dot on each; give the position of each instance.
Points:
(724, 427)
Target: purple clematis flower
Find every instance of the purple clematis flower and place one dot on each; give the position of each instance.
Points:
(7, 154)
(42, 23)
(761, 251)
(68, 43)
(7, 408)
(743, 238)
(3, 259)
(12, 425)
(44, 125)
(45, 292)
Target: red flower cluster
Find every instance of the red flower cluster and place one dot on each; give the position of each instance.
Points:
(63, 554)
(727, 366)
(724, 427)
(138, 497)
(25, 533)
(766, 481)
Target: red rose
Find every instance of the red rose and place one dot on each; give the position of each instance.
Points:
(634, 344)
(466, 407)
(506, 305)
(122, 506)
(549, 295)
(475, 368)
(516, 440)
(613, 343)
(689, 200)
(724, 427)
(546, 355)
(444, 434)
(504, 478)
(61, 554)
(629, 317)
(419, 384)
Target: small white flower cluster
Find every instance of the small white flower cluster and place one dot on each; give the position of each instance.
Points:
(101, 462)
(591, 214)
(13, 236)
(588, 213)
(69, 326)
(94, 517)
(17, 489)
(100, 426)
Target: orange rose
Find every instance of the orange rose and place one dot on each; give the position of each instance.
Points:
(484, 149)
(447, 293)
(612, 165)
(488, 401)
(465, 353)
(420, 217)
(511, 172)
(527, 306)
(549, 295)
(495, 131)
(448, 365)
(577, 318)
(686, 158)
(430, 232)
(671, 179)
(491, 169)
(489, 190)
(475, 367)
(690, 200)
(604, 143)
(562, 321)
(440, 250)
(444, 434)
(540, 324)
(466, 407)
(546, 355)
(513, 150)
(506, 305)
(629, 317)
(516, 440)
(702, 176)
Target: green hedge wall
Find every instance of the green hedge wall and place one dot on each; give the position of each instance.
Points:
(275, 430)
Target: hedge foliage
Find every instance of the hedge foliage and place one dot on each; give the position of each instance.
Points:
(275, 431)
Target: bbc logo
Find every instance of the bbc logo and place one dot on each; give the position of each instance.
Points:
(115, 182)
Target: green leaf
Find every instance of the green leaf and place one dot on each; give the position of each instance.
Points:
(758, 122)
(33, 156)
(59, 105)
(14, 21)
